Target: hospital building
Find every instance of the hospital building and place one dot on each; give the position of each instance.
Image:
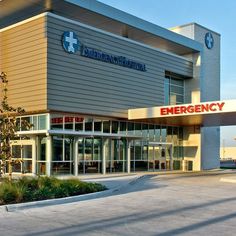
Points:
(108, 92)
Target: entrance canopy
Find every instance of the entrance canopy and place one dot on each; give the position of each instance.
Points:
(214, 113)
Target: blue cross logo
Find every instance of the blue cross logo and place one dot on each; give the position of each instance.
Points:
(209, 41)
(70, 42)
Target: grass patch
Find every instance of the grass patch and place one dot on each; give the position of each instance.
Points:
(34, 189)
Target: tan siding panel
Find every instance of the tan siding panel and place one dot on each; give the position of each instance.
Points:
(24, 59)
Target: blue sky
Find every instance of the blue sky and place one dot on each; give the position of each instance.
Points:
(216, 15)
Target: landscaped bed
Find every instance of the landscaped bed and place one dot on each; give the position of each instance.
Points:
(41, 188)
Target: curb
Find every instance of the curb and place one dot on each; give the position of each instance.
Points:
(51, 202)
(3, 209)
(228, 180)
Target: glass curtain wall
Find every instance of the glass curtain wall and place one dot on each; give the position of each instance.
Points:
(144, 156)
(173, 89)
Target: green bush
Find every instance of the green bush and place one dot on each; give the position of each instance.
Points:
(32, 189)
(8, 193)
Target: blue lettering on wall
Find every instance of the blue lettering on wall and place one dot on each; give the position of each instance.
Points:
(71, 44)
(117, 60)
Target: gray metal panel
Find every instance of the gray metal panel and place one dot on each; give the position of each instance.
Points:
(83, 85)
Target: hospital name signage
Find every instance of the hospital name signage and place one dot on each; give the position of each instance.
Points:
(117, 60)
(192, 109)
(71, 44)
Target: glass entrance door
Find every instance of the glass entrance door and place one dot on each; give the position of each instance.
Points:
(159, 157)
(116, 160)
(89, 155)
(23, 152)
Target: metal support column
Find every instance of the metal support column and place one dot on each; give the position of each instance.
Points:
(104, 142)
(128, 154)
(75, 156)
(171, 157)
(49, 155)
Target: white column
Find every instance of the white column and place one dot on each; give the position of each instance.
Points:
(75, 158)
(128, 155)
(49, 155)
(48, 122)
(34, 155)
(104, 142)
(171, 157)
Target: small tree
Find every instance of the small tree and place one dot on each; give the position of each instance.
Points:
(8, 127)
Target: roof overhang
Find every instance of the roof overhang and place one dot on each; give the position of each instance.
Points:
(213, 113)
(101, 16)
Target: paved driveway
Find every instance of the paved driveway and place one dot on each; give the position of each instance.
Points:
(173, 204)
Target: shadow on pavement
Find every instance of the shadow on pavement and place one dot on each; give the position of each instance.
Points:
(106, 224)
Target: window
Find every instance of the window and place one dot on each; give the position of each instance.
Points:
(89, 124)
(173, 89)
(42, 122)
(106, 126)
(97, 126)
(115, 127)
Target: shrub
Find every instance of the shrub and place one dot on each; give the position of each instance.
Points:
(41, 188)
(29, 182)
(49, 182)
(42, 194)
(7, 194)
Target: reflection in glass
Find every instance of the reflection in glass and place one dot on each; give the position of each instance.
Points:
(97, 126)
(60, 168)
(151, 133)
(145, 130)
(42, 121)
(122, 127)
(138, 129)
(88, 149)
(106, 126)
(130, 128)
(42, 149)
(115, 126)
(157, 133)
(16, 151)
(68, 150)
(27, 151)
(79, 125)
(88, 125)
(89, 154)
(163, 134)
(57, 149)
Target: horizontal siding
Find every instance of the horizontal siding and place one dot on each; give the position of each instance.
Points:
(149, 55)
(83, 85)
(24, 59)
